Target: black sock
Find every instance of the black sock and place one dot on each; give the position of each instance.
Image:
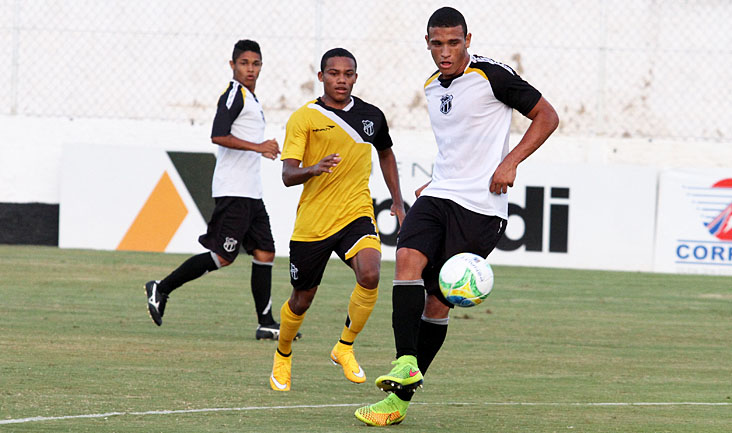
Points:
(404, 395)
(431, 337)
(262, 292)
(407, 303)
(191, 269)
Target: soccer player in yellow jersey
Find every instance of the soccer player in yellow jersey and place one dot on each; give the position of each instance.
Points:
(327, 149)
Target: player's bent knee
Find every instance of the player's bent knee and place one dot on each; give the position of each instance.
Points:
(222, 262)
(300, 300)
(409, 264)
(435, 309)
(263, 256)
(369, 279)
(299, 306)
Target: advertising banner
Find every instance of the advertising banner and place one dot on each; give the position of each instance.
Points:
(569, 216)
(136, 199)
(694, 226)
(585, 216)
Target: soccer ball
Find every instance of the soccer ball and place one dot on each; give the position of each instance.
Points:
(466, 279)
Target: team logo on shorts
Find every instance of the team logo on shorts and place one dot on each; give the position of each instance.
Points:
(230, 244)
(293, 271)
(368, 127)
(445, 104)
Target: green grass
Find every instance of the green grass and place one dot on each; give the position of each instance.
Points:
(75, 339)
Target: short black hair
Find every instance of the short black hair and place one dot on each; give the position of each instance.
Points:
(245, 45)
(336, 52)
(447, 17)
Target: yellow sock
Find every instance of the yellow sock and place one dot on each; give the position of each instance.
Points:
(359, 309)
(289, 325)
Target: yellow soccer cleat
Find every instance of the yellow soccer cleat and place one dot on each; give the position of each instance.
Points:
(342, 354)
(281, 372)
(388, 411)
(405, 375)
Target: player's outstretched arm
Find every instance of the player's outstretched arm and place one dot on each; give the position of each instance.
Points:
(387, 161)
(293, 174)
(268, 148)
(544, 120)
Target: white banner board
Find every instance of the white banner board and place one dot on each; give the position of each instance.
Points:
(568, 216)
(694, 227)
(126, 198)
(581, 216)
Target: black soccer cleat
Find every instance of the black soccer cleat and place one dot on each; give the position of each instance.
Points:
(155, 302)
(271, 332)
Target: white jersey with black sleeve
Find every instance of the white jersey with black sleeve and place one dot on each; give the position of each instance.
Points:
(471, 118)
(237, 172)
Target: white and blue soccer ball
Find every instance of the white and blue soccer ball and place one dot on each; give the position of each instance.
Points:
(466, 279)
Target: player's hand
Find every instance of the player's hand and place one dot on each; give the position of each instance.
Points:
(326, 164)
(398, 210)
(419, 190)
(269, 148)
(503, 177)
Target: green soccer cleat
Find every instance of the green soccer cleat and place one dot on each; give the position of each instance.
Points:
(405, 375)
(388, 411)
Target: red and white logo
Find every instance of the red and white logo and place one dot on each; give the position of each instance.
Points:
(721, 225)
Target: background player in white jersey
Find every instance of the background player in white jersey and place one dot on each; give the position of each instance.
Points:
(240, 219)
(464, 208)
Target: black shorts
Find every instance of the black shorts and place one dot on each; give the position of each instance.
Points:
(440, 228)
(309, 259)
(238, 222)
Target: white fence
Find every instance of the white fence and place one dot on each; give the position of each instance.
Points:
(614, 68)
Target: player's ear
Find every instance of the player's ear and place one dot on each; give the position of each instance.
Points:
(355, 77)
(467, 40)
(320, 76)
(427, 39)
(231, 63)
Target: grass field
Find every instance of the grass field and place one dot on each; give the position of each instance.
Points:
(552, 351)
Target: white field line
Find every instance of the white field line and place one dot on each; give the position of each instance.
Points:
(321, 406)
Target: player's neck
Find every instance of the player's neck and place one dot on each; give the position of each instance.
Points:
(250, 88)
(330, 102)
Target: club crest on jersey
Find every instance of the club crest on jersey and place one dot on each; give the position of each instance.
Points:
(445, 104)
(230, 244)
(368, 127)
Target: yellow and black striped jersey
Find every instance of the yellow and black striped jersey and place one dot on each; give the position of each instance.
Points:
(331, 201)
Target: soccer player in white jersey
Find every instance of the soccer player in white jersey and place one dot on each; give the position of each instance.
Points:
(464, 208)
(239, 219)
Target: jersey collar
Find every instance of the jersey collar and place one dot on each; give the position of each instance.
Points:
(246, 89)
(346, 108)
